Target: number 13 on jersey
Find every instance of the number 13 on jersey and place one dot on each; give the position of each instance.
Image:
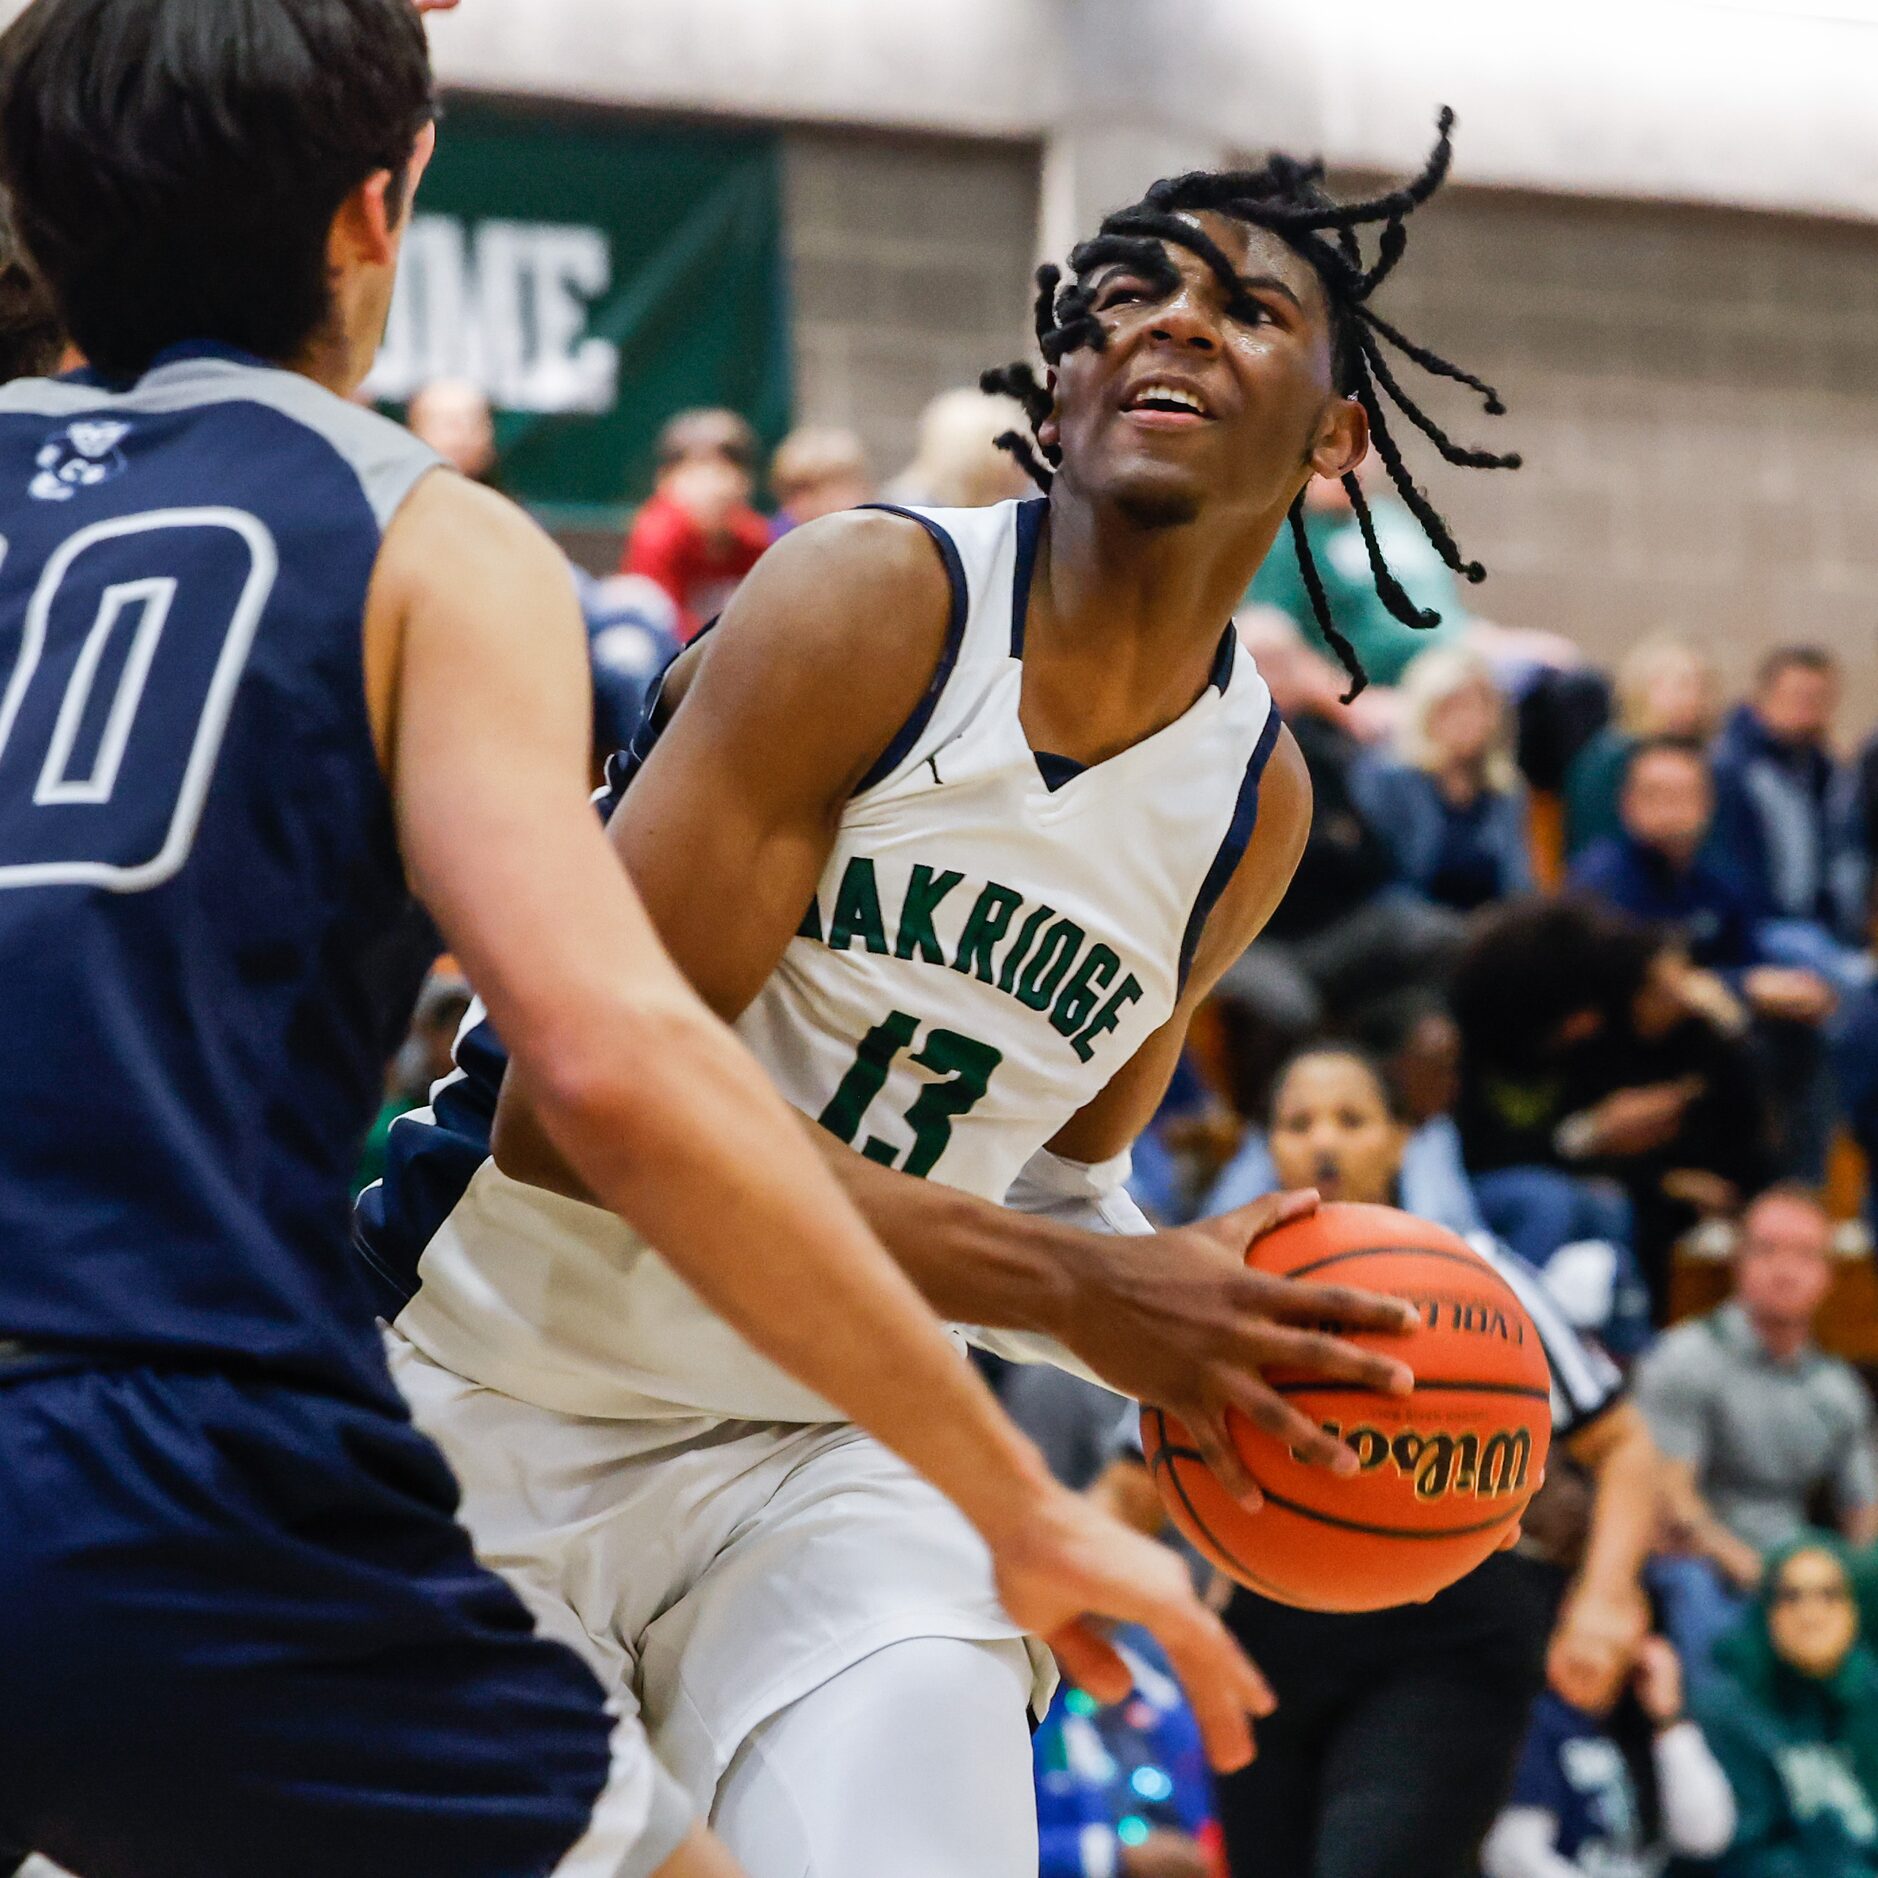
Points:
(963, 1064)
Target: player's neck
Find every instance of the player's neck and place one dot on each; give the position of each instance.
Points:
(1124, 625)
(330, 361)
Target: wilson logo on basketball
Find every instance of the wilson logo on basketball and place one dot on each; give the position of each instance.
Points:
(1444, 1464)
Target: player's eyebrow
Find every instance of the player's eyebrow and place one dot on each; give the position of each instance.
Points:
(1268, 283)
(1117, 269)
(1246, 283)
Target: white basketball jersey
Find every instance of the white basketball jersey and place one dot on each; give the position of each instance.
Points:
(995, 935)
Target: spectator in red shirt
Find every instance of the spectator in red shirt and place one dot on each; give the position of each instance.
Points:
(699, 536)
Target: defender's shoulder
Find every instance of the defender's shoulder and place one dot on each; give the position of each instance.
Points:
(387, 460)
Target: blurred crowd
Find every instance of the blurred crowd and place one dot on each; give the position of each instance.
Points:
(1578, 962)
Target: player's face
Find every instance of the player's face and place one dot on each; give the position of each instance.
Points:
(1332, 1130)
(1191, 406)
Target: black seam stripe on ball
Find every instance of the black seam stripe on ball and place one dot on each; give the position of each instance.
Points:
(1165, 1454)
(1472, 1260)
(1390, 1532)
(1422, 1390)
(1224, 1557)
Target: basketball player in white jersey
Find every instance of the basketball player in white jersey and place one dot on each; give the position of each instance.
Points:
(958, 815)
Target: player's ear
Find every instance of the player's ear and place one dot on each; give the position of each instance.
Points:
(1050, 431)
(369, 221)
(364, 231)
(1342, 439)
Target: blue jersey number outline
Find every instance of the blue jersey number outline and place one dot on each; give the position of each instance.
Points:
(151, 597)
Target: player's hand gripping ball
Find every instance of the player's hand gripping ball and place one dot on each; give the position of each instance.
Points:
(1444, 1474)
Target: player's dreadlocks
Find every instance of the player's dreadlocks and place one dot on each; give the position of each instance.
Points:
(1286, 196)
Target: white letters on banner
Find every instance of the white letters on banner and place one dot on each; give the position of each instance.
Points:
(507, 307)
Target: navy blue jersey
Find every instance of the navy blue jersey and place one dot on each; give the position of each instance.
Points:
(1573, 1770)
(207, 949)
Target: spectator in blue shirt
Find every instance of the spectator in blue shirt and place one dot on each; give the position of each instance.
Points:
(1663, 687)
(1451, 806)
(1653, 866)
(1657, 869)
(1787, 814)
(1615, 1795)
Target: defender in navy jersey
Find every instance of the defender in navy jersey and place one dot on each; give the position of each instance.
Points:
(261, 666)
(958, 815)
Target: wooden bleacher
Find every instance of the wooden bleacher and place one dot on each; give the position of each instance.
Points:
(1848, 1326)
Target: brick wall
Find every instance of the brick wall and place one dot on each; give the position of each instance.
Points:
(910, 264)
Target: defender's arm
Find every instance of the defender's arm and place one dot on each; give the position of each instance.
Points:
(772, 720)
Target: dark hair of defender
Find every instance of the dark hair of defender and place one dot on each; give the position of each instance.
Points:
(31, 341)
(1286, 196)
(175, 165)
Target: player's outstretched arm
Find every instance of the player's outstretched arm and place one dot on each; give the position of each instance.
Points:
(827, 648)
(1173, 1318)
(477, 675)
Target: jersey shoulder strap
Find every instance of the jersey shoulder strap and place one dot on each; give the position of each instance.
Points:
(988, 555)
(1248, 729)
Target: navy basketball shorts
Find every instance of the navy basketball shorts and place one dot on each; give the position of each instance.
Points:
(242, 1633)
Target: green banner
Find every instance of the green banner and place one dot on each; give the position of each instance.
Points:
(593, 276)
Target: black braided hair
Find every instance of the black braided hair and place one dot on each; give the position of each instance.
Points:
(1287, 197)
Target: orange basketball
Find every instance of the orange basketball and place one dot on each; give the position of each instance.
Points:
(1446, 1472)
